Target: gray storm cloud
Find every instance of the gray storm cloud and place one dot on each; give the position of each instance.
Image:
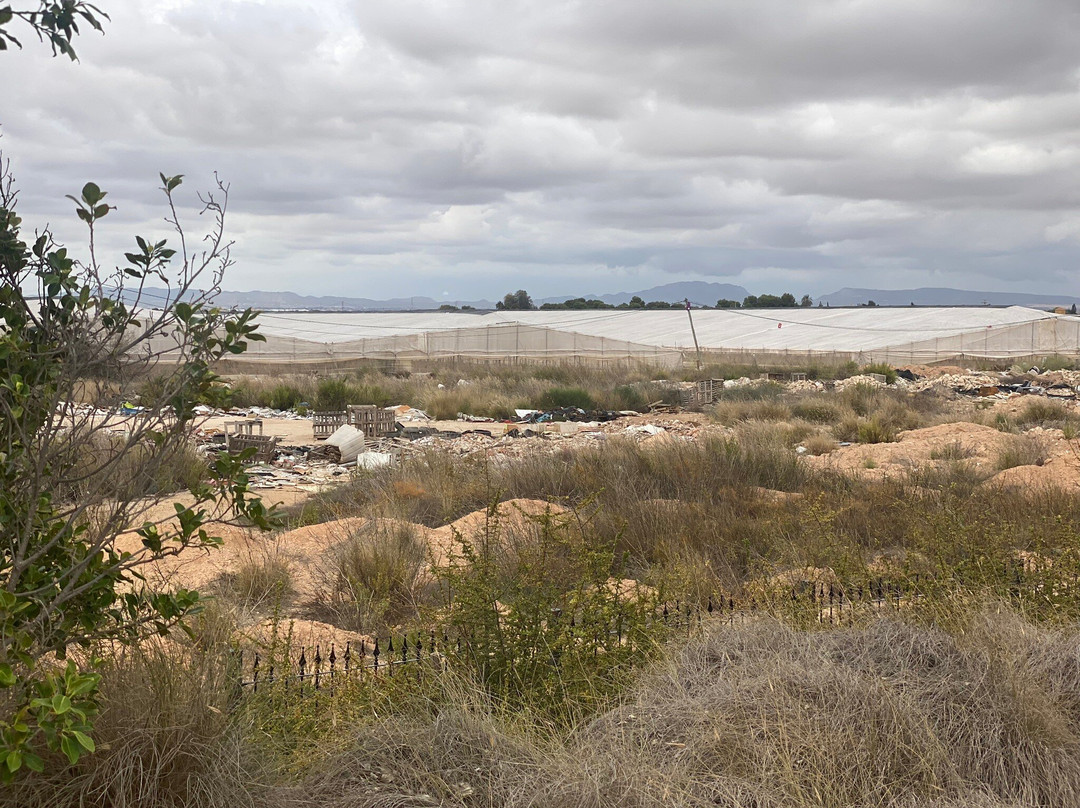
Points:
(392, 148)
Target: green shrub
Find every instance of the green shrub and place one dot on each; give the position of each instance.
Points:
(565, 638)
(862, 398)
(847, 430)
(883, 369)
(333, 394)
(218, 396)
(284, 397)
(875, 430)
(263, 580)
(558, 397)
(954, 450)
(629, 397)
(1057, 362)
(1042, 411)
(375, 578)
(819, 444)
(847, 369)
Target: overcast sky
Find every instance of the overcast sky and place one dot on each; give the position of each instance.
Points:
(390, 148)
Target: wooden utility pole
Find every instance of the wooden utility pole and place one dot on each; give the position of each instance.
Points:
(697, 348)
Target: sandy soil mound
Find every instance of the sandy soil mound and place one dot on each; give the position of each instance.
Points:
(1062, 471)
(297, 634)
(976, 444)
(513, 517)
(307, 550)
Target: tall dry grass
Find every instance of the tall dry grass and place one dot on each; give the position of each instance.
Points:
(372, 580)
(892, 713)
(166, 736)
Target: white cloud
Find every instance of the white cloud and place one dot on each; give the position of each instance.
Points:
(380, 147)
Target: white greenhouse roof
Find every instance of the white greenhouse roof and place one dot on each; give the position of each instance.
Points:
(810, 329)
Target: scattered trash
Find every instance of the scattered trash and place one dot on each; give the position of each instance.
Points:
(570, 414)
(374, 460)
(645, 429)
(349, 441)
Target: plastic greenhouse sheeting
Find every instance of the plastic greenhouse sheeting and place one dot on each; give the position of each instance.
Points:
(897, 335)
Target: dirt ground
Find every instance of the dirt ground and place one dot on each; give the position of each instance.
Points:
(973, 444)
(308, 551)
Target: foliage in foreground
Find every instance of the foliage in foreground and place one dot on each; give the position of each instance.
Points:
(976, 707)
(545, 627)
(66, 580)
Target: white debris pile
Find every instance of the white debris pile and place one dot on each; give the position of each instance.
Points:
(291, 472)
(805, 386)
(961, 383)
(852, 381)
(674, 427)
(407, 414)
(1069, 377)
(267, 412)
(644, 429)
(743, 381)
(251, 412)
(471, 444)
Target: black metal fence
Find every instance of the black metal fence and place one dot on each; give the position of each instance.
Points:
(823, 603)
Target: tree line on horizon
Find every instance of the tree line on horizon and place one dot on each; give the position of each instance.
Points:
(522, 301)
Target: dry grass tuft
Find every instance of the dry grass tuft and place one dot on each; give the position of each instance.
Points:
(1022, 450)
(373, 579)
(263, 581)
(892, 713)
(164, 739)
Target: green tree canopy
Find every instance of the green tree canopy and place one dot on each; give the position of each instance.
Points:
(516, 301)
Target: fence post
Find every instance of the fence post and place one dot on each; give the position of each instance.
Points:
(255, 674)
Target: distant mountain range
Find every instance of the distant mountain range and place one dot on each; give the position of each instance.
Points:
(934, 296)
(700, 293)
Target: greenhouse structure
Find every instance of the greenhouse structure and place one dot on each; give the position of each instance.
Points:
(899, 336)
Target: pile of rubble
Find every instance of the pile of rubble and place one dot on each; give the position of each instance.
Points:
(961, 383)
(862, 379)
(292, 471)
(805, 386)
(252, 412)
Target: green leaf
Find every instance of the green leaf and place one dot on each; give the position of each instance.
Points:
(7, 675)
(60, 704)
(14, 760)
(5, 15)
(85, 741)
(33, 762)
(91, 194)
(72, 749)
